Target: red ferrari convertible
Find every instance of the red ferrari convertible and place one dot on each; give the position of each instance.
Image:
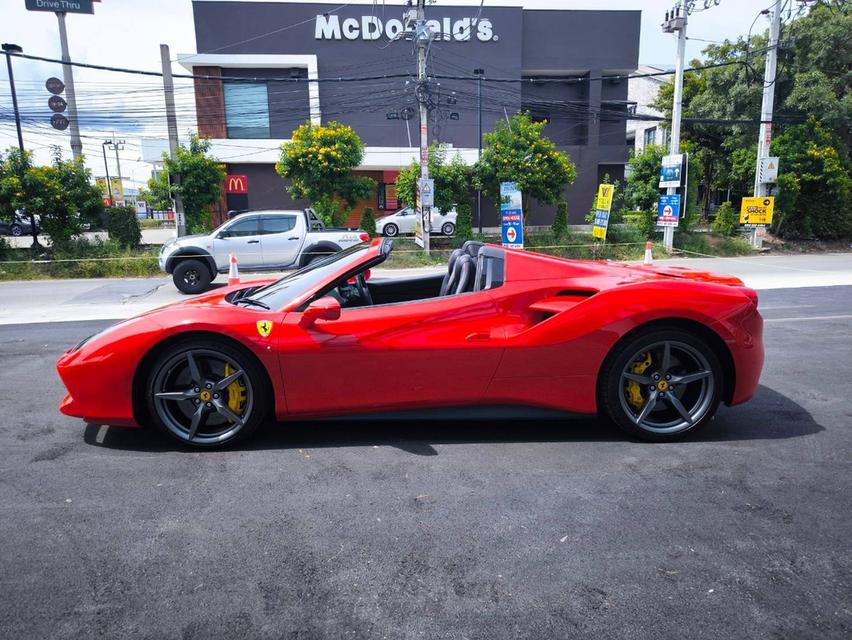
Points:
(654, 350)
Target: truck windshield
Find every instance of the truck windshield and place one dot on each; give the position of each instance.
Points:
(283, 291)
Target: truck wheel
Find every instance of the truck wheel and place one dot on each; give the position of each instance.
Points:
(390, 230)
(192, 276)
(448, 229)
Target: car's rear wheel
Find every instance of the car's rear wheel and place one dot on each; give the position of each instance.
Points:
(17, 230)
(390, 230)
(192, 276)
(448, 229)
(207, 393)
(661, 384)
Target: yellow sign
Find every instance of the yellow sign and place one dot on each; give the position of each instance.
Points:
(599, 232)
(757, 211)
(604, 201)
(264, 328)
(114, 184)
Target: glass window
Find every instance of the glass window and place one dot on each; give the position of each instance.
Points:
(246, 110)
(244, 227)
(278, 224)
(650, 136)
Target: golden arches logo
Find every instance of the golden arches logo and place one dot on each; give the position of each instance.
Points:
(236, 184)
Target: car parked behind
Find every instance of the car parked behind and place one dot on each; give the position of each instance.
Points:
(402, 221)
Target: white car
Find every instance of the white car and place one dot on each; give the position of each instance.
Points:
(402, 221)
(261, 240)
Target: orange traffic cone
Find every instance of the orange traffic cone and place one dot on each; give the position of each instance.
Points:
(233, 273)
(648, 257)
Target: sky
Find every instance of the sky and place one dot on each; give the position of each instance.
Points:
(128, 33)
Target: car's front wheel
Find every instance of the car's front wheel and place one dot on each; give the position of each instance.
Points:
(207, 393)
(192, 276)
(661, 384)
(17, 230)
(448, 229)
(390, 230)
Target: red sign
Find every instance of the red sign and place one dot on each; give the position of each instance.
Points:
(236, 184)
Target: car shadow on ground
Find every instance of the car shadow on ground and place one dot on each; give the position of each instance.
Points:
(770, 415)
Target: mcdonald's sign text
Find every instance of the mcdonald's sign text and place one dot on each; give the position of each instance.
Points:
(236, 184)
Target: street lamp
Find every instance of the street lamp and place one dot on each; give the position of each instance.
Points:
(9, 49)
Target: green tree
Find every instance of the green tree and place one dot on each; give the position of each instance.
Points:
(201, 181)
(516, 151)
(464, 223)
(123, 226)
(642, 189)
(452, 180)
(815, 187)
(319, 161)
(727, 221)
(368, 221)
(61, 194)
(560, 220)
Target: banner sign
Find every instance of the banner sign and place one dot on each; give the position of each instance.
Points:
(61, 6)
(114, 184)
(603, 204)
(671, 171)
(236, 184)
(757, 212)
(511, 215)
(668, 210)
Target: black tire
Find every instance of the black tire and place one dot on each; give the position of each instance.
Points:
(192, 276)
(171, 373)
(697, 400)
(448, 228)
(16, 230)
(317, 256)
(390, 230)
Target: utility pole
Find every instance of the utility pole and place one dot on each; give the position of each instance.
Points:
(8, 49)
(766, 108)
(171, 121)
(423, 36)
(104, 145)
(68, 76)
(676, 21)
(117, 145)
(479, 73)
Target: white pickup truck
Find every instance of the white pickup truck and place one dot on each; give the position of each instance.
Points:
(261, 240)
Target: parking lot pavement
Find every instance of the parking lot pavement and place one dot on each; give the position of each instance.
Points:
(481, 528)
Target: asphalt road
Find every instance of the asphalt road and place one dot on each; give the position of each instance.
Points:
(402, 529)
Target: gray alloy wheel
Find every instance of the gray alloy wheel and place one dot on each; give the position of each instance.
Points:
(17, 230)
(390, 230)
(448, 229)
(205, 394)
(661, 385)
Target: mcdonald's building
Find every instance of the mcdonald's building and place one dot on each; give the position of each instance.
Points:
(354, 63)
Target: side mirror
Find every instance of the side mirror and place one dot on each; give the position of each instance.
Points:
(326, 308)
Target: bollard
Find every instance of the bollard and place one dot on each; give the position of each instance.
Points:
(233, 272)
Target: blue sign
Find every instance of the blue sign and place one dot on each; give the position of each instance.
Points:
(511, 215)
(668, 210)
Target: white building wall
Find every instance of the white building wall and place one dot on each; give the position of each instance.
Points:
(643, 91)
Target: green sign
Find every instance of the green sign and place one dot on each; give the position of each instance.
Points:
(62, 6)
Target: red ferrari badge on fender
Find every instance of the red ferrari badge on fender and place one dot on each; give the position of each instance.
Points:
(264, 328)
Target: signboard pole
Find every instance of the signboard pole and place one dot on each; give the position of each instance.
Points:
(763, 142)
(423, 35)
(171, 121)
(68, 74)
(677, 23)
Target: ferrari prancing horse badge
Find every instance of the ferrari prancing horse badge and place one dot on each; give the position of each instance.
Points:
(264, 328)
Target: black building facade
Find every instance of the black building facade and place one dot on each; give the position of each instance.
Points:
(516, 48)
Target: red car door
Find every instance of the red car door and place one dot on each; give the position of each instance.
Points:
(437, 352)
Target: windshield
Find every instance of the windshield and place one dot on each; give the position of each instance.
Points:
(281, 292)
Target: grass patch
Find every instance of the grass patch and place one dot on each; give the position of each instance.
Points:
(81, 259)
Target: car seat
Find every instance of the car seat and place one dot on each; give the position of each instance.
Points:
(447, 282)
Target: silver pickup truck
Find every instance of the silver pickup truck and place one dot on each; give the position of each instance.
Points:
(261, 240)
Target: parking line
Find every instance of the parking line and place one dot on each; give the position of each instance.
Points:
(809, 318)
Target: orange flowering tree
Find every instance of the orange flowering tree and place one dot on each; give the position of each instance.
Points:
(318, 161)
(516, 151)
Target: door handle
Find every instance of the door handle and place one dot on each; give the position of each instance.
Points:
(478, 336)
(293, 238)
(253, 242)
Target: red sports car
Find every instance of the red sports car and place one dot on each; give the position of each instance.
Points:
(654, 350)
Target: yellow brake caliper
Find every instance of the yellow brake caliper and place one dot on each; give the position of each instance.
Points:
(236, 393)
(632, 389)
